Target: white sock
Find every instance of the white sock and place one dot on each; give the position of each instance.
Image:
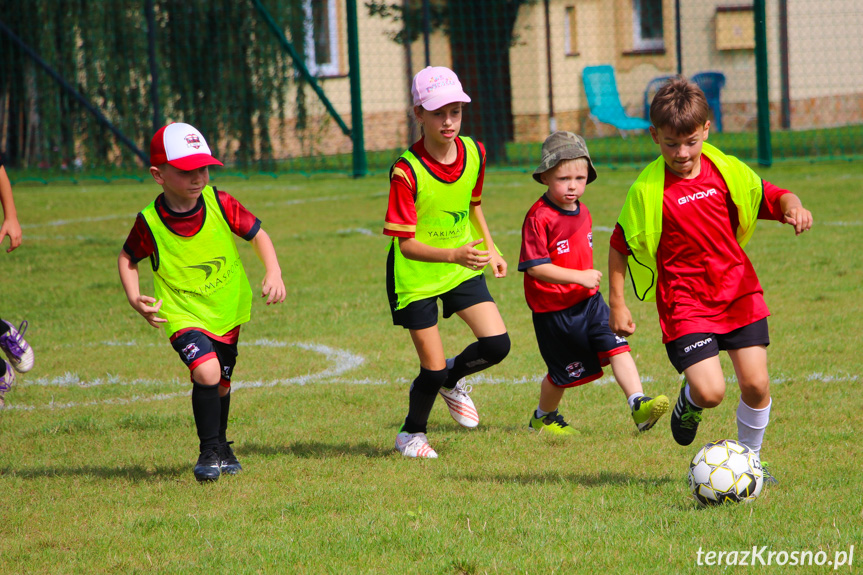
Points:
(751, 424)
(540, 413)
(631, 399)
(689, 397)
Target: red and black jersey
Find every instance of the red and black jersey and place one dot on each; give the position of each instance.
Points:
(705, 282)
(551, 235)
(140, 245)
(401, 218)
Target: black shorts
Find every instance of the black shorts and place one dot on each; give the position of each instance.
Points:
(422, 314)
(576, 342)
(195, 348)
(686, 351)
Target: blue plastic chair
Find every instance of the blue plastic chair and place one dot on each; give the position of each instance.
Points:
(603, 99)
(711, 83)
(652, 88)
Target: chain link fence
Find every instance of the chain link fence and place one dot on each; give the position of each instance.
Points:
(84, 85)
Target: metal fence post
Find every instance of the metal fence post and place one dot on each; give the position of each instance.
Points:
(765, 150)
(359, 155)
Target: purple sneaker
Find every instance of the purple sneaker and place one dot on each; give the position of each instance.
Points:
(17, 349)
(6, 382)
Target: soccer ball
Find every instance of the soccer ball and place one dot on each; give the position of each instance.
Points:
(725, 471)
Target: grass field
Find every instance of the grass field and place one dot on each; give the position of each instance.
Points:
(98, 441)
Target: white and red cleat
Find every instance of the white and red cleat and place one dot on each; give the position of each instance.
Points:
(415, 445)
(460, 404)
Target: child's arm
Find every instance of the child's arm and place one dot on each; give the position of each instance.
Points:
(466, 255)
(555, 274)
(272, 287)
(10, 226)
(140, 303)
(620, 318)
(795, 213)
(498, 264)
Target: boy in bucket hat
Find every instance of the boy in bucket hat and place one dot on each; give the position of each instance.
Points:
(202, 293)
(570, 317)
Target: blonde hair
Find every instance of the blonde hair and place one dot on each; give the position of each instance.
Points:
(679, 106)
(580, 162)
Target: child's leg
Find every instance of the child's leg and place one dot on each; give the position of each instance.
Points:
(646, 411)
(425, 387)
(705, 383)
(626, 374)
(753, 411)
(225, 404)
(549, 397)
(546, 418)
(491, 347)
(703, 386)
(206, 403)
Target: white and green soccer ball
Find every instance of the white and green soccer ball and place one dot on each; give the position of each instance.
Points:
(725, 471)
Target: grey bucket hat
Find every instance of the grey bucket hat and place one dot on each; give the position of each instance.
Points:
(563, 146)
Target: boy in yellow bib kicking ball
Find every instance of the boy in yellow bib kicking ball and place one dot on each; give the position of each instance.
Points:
(202, 292)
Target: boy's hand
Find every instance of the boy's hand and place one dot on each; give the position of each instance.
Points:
(273, 288)
(11, 228)
(800, 218)
(472, 258)
(498, 265)
(620, 320)
(589, 278)
(149, 312)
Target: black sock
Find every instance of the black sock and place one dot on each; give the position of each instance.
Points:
(422, 396)
(2, 367)
(225, 400)
(481, 354)
(206, 407)
(4, 327)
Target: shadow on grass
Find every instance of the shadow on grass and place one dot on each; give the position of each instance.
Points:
(585, 479)
(132, 472)
(315, 450)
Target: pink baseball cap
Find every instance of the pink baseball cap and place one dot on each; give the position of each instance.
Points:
(435, 87)
(182, 146)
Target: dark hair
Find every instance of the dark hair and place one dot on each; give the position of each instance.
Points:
(679, 106)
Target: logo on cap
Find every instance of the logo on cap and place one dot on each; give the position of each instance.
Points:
(193, 141)
(436, 82)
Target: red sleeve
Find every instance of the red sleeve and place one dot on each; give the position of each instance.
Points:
(534, 244)
(618, 240)
(139, 244)
(241, 221)
(401, 218)
(476, 196)
(770, 208)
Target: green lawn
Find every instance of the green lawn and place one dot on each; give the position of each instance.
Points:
(98, 441)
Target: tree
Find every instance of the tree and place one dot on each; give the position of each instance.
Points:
(219, 68)
(480, 34)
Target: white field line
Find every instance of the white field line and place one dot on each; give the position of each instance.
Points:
(338, 361)
(131, 217)
(57, 223)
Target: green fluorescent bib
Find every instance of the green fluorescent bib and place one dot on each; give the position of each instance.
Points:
(200, 279)
(641, 216)
(443, 221)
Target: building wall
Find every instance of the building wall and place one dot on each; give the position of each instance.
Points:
(825, 44)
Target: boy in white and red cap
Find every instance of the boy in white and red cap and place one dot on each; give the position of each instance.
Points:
(440, 246)
(202, 294)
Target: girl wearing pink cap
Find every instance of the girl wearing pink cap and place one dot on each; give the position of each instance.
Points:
(441, 245)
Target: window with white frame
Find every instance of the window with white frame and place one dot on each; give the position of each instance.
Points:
(322, 37)
(570, 38)
(647, 25)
